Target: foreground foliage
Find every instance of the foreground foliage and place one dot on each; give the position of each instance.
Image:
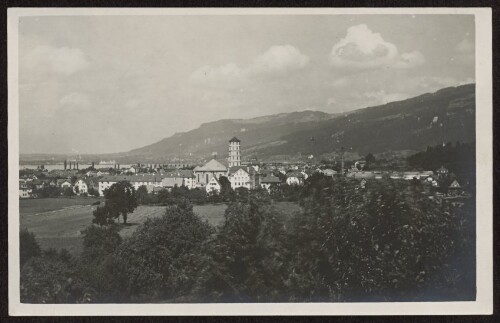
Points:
(384, 242)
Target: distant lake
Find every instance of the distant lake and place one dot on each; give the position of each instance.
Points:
(50, 167)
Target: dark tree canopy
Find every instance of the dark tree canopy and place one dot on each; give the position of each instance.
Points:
(120, 200)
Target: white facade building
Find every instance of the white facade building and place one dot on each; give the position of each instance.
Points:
(80, 187)
(240, 178)
(213, 185)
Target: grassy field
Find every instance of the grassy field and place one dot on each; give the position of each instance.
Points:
(35, 206)
(57, 223)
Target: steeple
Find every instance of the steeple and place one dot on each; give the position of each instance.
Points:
(234, 158)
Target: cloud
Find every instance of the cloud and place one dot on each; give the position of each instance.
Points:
(363, 49)
(75, 101)
(277, 60)
(62, 60)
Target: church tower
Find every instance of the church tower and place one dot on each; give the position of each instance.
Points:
(234, 152)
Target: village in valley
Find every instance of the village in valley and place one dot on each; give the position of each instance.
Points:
(240, 173)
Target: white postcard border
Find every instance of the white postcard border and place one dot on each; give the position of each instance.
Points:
(484, 168)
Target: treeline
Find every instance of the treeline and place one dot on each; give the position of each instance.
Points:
(53, 191)
(459, 159)
(384, 242)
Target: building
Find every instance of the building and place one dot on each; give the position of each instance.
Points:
(204, 174)
(213, 185)
(65, 184)
(240, 177)
(295, 178)
(148, 180)
(181, 177)
(270, 181)
(441, 172)
(234, 158)
(170, 182)
(24, 190)
(329, 172)
(81, 187)
(106, 182)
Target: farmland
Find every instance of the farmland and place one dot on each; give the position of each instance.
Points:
(57, 222)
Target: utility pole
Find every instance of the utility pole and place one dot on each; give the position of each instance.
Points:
(342, 160)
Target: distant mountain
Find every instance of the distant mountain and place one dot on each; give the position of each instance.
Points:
(447, 115)
(213, 137)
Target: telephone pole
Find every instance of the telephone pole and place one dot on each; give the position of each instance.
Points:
(342, 160)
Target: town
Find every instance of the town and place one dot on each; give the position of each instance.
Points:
(241, 174)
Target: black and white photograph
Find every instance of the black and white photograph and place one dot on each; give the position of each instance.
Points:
(253, 161)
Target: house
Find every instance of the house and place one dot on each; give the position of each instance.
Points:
(63, 183)
(241, 176)
(101, 173)
(91, 173)
(441, 172)
(455, 188)
(362, 184)
(204, 174)
(37, 184)
(81, 187)
(213, 185)
(171, 182)
(417, 175)
(148, 180)
(106, 182)
(24, 190)
(329, 172)
(180, 177)
(295, 178)
(270, 181)
(360, 164)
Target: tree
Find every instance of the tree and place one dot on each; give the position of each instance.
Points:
(103, 216)
(165, 256)
(142, 195)
(226, 192)
(99, 268)
(51, 278)
(68, 191)
(93, 192)
(28, 246)
(120, 200)
(370, 158)
(248, 257)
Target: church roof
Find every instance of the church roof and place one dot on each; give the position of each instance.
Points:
(270, 179)
(234, 139)
(211, 166)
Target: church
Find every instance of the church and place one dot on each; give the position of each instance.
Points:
(238, 175)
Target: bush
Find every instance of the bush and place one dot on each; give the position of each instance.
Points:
(383, 243)
(163, 257)
(28, 246)
(50, 279)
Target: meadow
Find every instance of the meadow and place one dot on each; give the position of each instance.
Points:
(57, 222)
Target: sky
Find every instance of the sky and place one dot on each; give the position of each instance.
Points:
(105, 84)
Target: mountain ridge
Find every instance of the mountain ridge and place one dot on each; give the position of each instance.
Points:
(291, 133)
